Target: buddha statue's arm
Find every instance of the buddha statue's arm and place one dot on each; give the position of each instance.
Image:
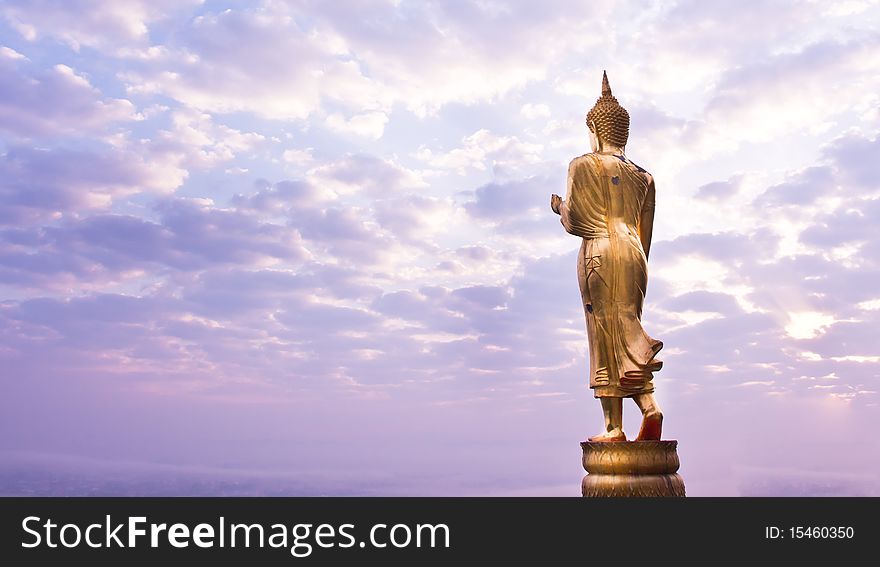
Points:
(646, 222)
(560, 205)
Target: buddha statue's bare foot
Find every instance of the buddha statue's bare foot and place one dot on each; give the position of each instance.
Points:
(652, 425)
(613, 436)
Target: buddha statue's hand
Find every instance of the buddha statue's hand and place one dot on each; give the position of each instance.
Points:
(555, 202)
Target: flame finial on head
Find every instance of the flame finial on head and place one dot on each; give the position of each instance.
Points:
(606, 88)
(610, 119)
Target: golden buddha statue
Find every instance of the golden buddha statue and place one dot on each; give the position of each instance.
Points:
(609, 203)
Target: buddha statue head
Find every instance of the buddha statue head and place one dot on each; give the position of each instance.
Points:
(608, 121)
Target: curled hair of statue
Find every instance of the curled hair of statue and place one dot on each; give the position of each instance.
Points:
(610, 119)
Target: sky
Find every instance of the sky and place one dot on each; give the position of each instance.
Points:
(306, 247)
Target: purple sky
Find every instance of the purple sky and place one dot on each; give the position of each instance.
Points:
(306, 247)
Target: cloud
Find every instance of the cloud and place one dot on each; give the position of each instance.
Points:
(365, 174)
(774, 97)
(426, 45)
(195, 140)
(484, 150)
(53, 101)
(89, 23)
(704, 301)
(261, 60)
(504, 200)
(718, 190)
(416, 218)
(294, 59)
(41, 184)
(368, 125)
(802, 189)
(297, 156)
(853, 153)
(100, 248)
(279, 198)
(533, 111)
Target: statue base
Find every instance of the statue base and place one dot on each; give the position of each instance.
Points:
(631, 468)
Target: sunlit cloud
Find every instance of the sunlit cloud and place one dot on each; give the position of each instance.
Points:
(808, 324)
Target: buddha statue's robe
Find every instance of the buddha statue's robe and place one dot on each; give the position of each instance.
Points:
(609, 202)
